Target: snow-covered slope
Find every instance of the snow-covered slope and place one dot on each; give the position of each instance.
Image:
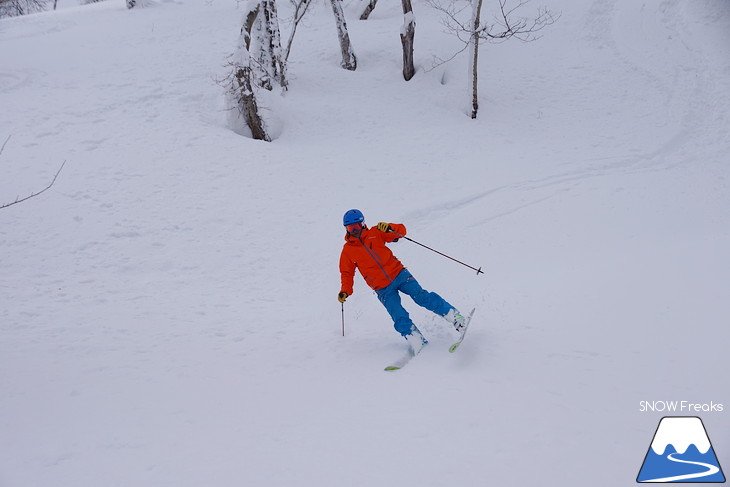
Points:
(168, 311)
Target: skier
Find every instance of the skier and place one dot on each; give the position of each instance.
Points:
(365, 250)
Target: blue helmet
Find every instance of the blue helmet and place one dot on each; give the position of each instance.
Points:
(353, 216)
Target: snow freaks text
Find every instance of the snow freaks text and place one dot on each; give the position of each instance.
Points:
(680, 407)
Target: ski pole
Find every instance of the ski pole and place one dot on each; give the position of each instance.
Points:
(479, 271)
(343, 319)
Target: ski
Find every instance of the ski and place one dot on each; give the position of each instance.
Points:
(406, 358)
(402, 362)
(453, 347)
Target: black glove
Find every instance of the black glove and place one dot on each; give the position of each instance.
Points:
(342, 297)
(384, 227)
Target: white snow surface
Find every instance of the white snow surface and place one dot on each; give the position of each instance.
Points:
(168, 310)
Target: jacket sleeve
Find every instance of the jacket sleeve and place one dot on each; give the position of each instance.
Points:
(347, 273)
(397, 228)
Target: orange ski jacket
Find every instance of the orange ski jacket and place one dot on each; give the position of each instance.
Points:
(376, 262)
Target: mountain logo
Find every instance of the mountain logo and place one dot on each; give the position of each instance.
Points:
(681, 452)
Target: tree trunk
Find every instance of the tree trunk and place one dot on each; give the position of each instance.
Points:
(474, 61)
(276, 66)
(473, 80)
(408, 32)
(265, 44)
(368, 10)
(349, 61)
(248, 27)
(259, 50)
(247, 105)
(299, 11)
(242, 86)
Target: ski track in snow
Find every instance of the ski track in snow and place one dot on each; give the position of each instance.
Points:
(620, 35)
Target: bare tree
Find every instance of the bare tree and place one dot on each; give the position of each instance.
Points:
(15, 8)
(259, 62)
(300, 8)
(407, 34)
(242, 79)
(349, 61)
(18, 199)
(505, 25)
(267, 38)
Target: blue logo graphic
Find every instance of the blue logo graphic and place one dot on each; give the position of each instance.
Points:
(681, 452)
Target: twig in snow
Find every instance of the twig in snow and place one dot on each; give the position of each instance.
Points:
(4, 144)
(33, 195)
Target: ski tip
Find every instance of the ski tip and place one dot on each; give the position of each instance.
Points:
(453, 347)
(391, 368)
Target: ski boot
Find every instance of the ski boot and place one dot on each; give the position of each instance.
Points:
(415, 340)
(455, 318)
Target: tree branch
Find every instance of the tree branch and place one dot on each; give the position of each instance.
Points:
(4, 144)
(32, 195)
(437, 61)
(505, 24)
(300, 8)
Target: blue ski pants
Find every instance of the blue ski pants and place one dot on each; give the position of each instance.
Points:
(407, 284)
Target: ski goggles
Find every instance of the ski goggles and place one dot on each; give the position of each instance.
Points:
(353, 227)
